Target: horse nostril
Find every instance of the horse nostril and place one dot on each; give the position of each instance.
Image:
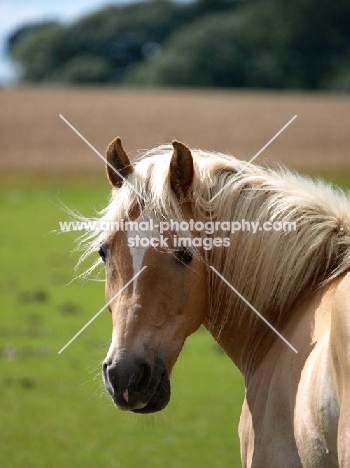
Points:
(106, 369)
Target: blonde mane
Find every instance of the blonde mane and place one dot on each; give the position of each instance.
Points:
(271, 269)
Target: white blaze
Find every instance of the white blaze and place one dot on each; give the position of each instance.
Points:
(137, 252)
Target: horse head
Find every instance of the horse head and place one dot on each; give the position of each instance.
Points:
(154, 314)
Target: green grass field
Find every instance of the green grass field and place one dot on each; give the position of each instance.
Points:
(54, 411)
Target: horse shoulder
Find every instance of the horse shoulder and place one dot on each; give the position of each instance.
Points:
(317, 410)
(290, 414)
(340, 356)
(266, 424)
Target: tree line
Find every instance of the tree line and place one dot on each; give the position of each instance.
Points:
(279, 44)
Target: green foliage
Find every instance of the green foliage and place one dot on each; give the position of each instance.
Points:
(32, 47)
(226, 43)
(214, 51)
(310, 38)
(339, 78)
(83, 69)
(269, 44)
(114, 37)
(191, 57)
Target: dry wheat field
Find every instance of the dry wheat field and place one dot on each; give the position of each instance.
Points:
(35, 139)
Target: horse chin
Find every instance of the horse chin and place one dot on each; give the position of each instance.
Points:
(159, 400)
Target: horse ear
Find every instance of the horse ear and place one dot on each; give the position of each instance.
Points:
(181, 168)
(117, 160)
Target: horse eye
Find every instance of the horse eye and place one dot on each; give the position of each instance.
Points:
(102, 251)
(183, 255)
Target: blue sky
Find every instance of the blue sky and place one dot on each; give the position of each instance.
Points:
(14, 13)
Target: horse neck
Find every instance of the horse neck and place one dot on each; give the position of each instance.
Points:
(246, 342)
(271, 270)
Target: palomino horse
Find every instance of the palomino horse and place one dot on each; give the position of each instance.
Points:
(296, 411)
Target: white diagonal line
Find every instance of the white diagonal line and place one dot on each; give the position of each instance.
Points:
(101, 310)
(254, 157)
(102, 157)
(253, 309)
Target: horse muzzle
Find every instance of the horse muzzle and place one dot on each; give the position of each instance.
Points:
(136, 385)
